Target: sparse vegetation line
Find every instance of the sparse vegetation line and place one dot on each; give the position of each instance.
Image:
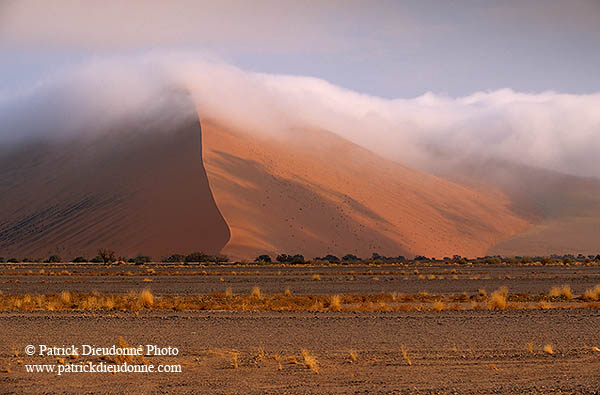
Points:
(255, 300)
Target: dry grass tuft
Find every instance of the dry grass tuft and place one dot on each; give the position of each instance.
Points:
(353, 356)
(255, 293)
(335, 303)
(405, 356)
(287, 292)
(498, 299)
(146, 298)
(228, 292)
(561, 292)
(277, 359)
(596, 349)
(438, 305)
(592, 294)
(234, 360)
(121, 359)
(65, 297)
(260, 355)
(545, 305)
(530, 348)
(310, 361)
(316, 277)
(493, 367)
(548, 349)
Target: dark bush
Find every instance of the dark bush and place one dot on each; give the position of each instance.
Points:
(175, 258)
(54, 259)
(13, 260)
(350, 258)
(97, 259)
(263, 259)
(1, 259)
(202, 257)
(79, 259)
(331, 258)
(197, 257)
(141, 259)
(291, 259)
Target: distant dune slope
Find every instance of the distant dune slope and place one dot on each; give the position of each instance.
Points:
(565, 209)
(137, 190)
(313, 192)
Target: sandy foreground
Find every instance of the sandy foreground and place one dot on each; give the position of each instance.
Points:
(464, 351)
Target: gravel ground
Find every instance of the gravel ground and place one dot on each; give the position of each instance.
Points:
(449, 351)
(339, 279)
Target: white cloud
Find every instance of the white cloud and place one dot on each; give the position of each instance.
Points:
(549, 130)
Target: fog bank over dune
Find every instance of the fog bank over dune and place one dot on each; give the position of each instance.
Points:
(550, 130)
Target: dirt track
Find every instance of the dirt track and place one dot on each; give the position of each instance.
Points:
(449, 351)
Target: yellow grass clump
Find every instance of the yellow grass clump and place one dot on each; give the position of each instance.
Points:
(353, 356)
(228, 292)
(65, 297)
(498, 299)
(561, 292)
(255, 292)
(530, 348)
(336, 303)
(260, 355)
(438, 305)
(592, 294)
(310, 361)
(548, 349)
(146, 298)
(316, 277)
(287, 292)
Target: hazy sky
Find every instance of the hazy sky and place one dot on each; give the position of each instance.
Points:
(392, 49)
(514, 80)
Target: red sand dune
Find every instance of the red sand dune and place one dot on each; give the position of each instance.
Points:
(313, 192)
(143, 189)
(136, 191)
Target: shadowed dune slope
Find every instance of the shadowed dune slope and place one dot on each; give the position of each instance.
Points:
(139, 189)
(314, 193)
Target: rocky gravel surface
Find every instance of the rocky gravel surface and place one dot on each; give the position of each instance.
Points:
(444, 352)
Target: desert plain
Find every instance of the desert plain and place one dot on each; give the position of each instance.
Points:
(397, 328)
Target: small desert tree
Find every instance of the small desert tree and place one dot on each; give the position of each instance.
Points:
(54, 259)
(106, 255)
